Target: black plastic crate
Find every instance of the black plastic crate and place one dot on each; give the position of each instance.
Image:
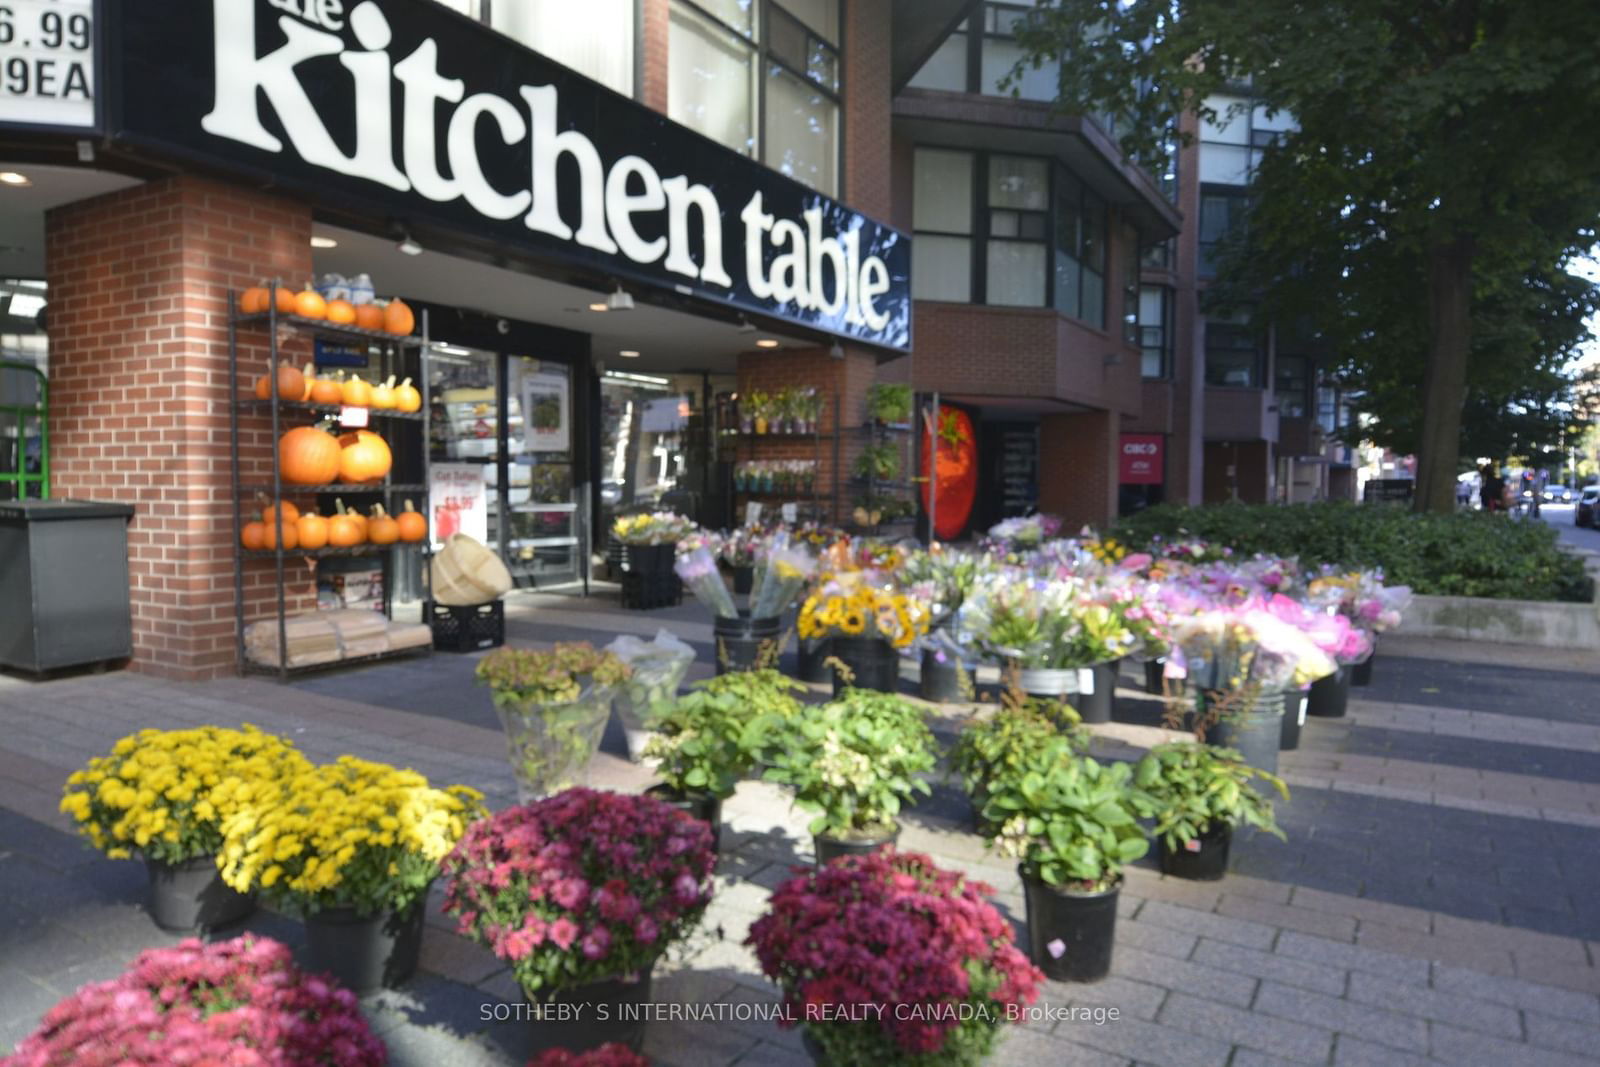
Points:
(466, 629)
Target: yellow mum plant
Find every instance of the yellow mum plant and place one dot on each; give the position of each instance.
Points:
(166, 793)
(351, 834)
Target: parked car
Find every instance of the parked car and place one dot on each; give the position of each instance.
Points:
(1583, 514)
(1557, 494)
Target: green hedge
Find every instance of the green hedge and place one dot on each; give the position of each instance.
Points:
(1468, 553)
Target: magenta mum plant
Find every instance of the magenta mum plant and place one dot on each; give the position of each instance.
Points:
(241, 1002)
(580, 887)
(610, 1054)
(886, 958)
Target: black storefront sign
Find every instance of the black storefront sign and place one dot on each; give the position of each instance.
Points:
(405, 108)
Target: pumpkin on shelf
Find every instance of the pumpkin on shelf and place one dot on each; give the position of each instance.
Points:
(407, 397)
(383, 395)
(253, 535)
(369, 316)
(354, 516)
(269, 536)
(308, 455)
(269, 514)
(356, 392)
(291, 383)
(363, 457)
(313, 531)
(308, 304)
(286, 300)
(398, 319)
(412, 525)
(344, 531)
(341, 312)
(254, 300)
(328, 392)
(382, 528)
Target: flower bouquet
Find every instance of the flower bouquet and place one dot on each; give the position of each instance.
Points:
(232, 1002)
(696, 566)
(869, 622)
(652, 528)
(581, 891)
(783, 568)
(553, 706)
(1021, 534)
(166, 794)
(655, 670)
(924, 947)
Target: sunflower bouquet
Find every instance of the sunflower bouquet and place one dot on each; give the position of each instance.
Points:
(862, 604)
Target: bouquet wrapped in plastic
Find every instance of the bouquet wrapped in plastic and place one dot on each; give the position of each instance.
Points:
(783, 569)
(658, 669)
(696, 564)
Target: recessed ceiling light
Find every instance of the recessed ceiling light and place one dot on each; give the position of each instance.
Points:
(767, 342)
(629, 353)
(409, 246)
(324, 242)
(11, 177)
(601, 306)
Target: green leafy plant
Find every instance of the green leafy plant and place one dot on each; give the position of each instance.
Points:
(855, 760)
(1193, 787)
(880, 462)
(713, 735)
(889, 403)
(1000, 743)
(1069, 819)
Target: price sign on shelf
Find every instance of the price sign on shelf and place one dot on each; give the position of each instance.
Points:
(47, 62)
(352, 418)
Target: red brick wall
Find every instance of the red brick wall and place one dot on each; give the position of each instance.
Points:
(1078, 468)
(867, 138)
(139, 393)
(653, 37)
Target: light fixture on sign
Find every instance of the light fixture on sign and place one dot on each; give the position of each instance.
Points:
(319, 241)
(629, 353)
(25, 305)
(599, 306)
(767, 342)
(11, 177)
(621, 300)
(836, 351)
(408, 245)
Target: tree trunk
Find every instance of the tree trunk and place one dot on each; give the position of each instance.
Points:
(1444, 387)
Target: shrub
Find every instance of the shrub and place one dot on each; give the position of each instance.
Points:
(1461, 554)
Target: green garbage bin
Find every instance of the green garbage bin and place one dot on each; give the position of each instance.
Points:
(63, 583)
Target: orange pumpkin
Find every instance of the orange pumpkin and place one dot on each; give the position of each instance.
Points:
(252, 535)
(327, 392)
(344, 531)
(413, 527)
(354, 516)
(369, 316)
(407, 397)
(382, 528)
(291, 514)
(363, 457)
(291, 384)
(285, 300)
(313, 531)
(308, 304)
(356, 392)
(310, 376)
(342, 312)
(383, 395)
(253, 300)
(308, 455)
(397, 318)
(269, 536)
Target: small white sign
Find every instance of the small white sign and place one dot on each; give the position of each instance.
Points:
(791, 513)
(47, 62)
(459, 499)
(752, 513)
(353, 418)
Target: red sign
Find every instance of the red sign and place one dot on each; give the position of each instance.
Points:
(1140, 460)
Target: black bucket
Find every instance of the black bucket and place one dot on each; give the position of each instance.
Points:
(744, 579)
(831, 848)
(813, 655)
(1097, 705)
(582, 1018)
(365, 953)
(702, 806)
(1254, 727)
(1294, 714)
(1361, 673)
(872, 662)
(1330, 696)
(1070, 935)
(1201, 859)
(1154, 670)
(746, 644)
(940, 680)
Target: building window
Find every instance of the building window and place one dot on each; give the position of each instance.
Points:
(1019, 226)
(1130, 290)
(762, 79)
(1291, 383)
(1000, 53)
(1080, 250)
(1155, 336)
(1328, 407)
(947, 68)
(1222, 212)
(1233, 350)
(941, 253)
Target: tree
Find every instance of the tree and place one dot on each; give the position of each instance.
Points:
(1438, 141)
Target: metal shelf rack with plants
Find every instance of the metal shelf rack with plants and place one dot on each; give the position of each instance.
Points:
(880, 474)
(386, 354)
(766, 472)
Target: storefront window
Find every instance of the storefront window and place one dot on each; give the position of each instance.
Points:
(941, 253)
(655, 445)
(598, 45)
(24, 351)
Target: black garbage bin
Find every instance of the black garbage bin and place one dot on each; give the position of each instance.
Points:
(64, 583)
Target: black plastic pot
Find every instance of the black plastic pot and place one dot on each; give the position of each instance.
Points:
(365, 953)
(831, 848)
(1294, 714)
(1361, 673)
(1254, 726)
(1153, 672)
(1070, 934)
(649, 580)
(872, 662)
(191, 896)
(745, 644)
(744, 578)
(940, 680)
(582, 1018)
(702, 806)
(812, 656)
(1098, 706)
(1202, 859)
(1330, 696)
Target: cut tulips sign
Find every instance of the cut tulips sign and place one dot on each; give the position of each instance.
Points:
(445, 120)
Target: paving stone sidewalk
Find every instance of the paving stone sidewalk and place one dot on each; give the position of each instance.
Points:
(1434, 902)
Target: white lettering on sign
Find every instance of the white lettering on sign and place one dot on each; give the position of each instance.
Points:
(1140, 448)
(796, 262)
(47, 62)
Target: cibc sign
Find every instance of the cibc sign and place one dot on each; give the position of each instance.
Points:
(406, 109)
(1140, 459)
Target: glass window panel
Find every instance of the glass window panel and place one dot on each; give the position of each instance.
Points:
(1000, 56)
(1034, 226)
(1016, 274)
(942, 191)
(1069, 213)
(469, 8)
(1278, 122)
(802, 131)
(787, 39)
(1068, 277)
(1152, 306)
(1226, 128)
(1093, 310)
(1003, 223)
(711, 80)
(823, 66)
(1093, 249)
(599, 45)
(820, 16)
(739, 15)
(1222, 164)
(1017, 182)
(946, 68)
(941, 268)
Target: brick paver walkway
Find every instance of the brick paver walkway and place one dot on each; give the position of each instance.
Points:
(1434, 903)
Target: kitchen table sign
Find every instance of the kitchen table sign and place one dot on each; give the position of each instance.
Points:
(47, 51)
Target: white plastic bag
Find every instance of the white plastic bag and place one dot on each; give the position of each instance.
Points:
(658, 669)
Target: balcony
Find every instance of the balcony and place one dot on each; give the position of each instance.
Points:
(1235, 413)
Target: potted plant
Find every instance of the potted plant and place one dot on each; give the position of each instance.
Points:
(889, 404)
(922, 946)
(868, 624)
(760, 404)
(999, 743)
(351, 848)
(1071, 821)
(610, 1054)
(1198, 794)
(878, 462)
(581, 893)
(238, 1001)
(165, 794)
(553, 706)
(709, 738)
(855, 761)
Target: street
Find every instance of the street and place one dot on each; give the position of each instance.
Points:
(1582, 539)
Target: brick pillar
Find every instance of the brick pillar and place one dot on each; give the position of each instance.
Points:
(653, 37)
(867, 136)
(139, 393)
(1078, 468)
